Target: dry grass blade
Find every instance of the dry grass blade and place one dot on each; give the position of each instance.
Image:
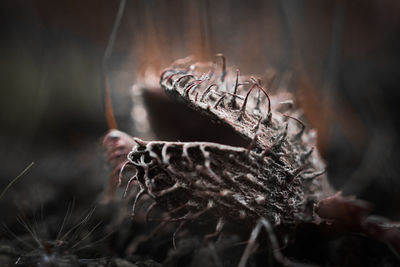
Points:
(16, 179)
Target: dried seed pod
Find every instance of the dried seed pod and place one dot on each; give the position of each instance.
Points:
(279, 176)
(277, 179)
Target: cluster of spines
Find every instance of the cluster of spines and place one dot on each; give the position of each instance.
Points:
(167, 78)
(214, 95)
(147, 155)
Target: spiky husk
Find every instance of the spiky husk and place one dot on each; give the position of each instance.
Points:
(280, 176)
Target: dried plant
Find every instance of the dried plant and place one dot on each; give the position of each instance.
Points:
(274, 182)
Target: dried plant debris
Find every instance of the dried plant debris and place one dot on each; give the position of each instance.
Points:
(343, 214)
(273, 182)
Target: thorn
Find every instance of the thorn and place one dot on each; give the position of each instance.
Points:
(223, 66)
(186, 91)
(120, 173)
(236, 82)
(315, 175)
(128, 185)
(243, 83)
(185, 154)
(193, 85)
(149, 209)
(219, 101)
(177, 81)
(252, 143)
(257, 107)
(254, 140)
(256, 84)
(140, 142)
(138, 195)
(165, 71)
(176, 231)
(164, 155)
(168, 80)
(303, 126)
(234, 93)
(288, 103)
(207, 91)
(243, 108)
(255, 80)
(269, 100)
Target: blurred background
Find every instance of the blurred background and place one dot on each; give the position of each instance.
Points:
(340, 58)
